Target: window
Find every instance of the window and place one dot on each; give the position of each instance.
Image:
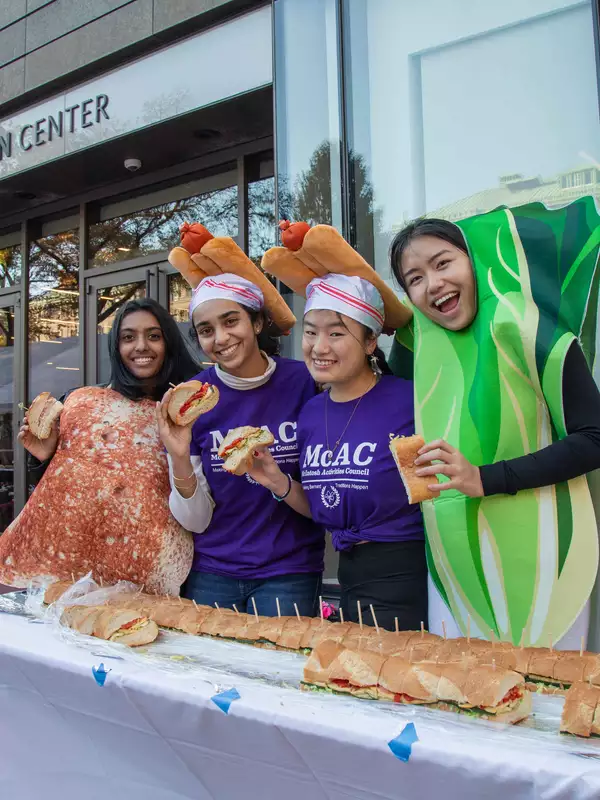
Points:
(139, 227)
(54, 357)
(456, 108)
(10, 265)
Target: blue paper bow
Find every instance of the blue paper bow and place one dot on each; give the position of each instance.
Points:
(100, 674)
(224, 699)
(401, 746)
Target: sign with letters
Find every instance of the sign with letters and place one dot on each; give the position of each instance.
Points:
(216, 64)
(35, 134)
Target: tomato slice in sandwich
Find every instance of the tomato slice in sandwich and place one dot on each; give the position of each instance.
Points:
(231, 446)
(194, 399)
(131, 624)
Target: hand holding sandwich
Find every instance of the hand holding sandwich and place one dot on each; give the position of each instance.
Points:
(464, 476)
(266, 471)
(42, 449)
(176, 438)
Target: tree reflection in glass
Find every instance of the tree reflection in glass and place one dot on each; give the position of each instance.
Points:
(54, 314)
(10, 266)
(156, 230)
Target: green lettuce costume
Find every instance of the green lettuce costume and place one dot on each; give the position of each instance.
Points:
(521, 566)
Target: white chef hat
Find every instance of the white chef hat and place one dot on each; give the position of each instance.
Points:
(346, 294)
(227, 286)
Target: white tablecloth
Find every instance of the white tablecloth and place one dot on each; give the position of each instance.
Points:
(154, 735)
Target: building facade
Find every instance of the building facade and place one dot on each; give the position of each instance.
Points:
(120, 119)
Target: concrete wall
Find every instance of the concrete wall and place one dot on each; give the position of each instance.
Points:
(47, 44)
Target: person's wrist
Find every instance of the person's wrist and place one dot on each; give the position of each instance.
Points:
(279, 484)
(182, 466)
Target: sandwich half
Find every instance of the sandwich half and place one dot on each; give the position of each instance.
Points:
(190, 400)
(125, 627)
(405, 449)
(42, 413)
(111, 624)
(237, 450)
(581, 712)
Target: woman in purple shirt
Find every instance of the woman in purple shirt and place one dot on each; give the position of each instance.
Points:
(249, 548)
(349, 481)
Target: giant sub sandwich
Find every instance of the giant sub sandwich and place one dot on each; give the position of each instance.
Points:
(489, 692)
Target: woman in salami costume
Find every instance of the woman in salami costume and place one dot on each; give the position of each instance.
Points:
(505, 307)
(102, 504)
(250, 548)
(349, 482)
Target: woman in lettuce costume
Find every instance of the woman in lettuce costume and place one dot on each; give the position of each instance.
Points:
(504, 336)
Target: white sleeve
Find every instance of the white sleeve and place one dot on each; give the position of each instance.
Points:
(193, 513)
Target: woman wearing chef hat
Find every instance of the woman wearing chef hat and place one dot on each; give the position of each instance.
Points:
(249, 547)
(349, 481)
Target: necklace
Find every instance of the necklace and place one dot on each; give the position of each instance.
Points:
(330, 452)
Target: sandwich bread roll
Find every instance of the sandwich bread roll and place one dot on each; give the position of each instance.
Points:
(580, 715)
(405, 449)
(237, 449)
(42, 413)
(111, 624)
(190, 400)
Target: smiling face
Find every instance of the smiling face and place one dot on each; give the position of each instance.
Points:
(228, 337)
(440, 282)
(142, 344)
(335, 347)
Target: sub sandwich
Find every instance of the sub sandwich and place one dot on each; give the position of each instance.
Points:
(405, 450)
(581, 712)
(42, 414)
(489, 692)
(545, 670)
(237, 450)
(111, 624)
(190, 400)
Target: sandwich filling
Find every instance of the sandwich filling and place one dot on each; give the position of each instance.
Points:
(129, 627)
(195, 398)
(241, 441)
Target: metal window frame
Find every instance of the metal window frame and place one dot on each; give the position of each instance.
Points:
(13, 299)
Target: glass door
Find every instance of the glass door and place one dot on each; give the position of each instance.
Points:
(105, 295)
(10, 457)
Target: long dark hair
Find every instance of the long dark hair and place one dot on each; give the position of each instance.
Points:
(179, 364)
(268, 338)
(440, 228)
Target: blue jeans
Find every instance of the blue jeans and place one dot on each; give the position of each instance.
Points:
(301, 589)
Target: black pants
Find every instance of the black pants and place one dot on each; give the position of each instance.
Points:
(390, 576)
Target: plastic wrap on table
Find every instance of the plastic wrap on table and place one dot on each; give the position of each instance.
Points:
(14, 603)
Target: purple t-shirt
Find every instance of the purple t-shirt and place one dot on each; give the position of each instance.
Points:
(252, 535)
(359, 495)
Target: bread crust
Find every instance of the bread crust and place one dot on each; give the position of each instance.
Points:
(43, 411)
(404, 449)
(579, 711)
(182, 393)
(241, 459)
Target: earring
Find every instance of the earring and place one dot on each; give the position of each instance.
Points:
(374, 364)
